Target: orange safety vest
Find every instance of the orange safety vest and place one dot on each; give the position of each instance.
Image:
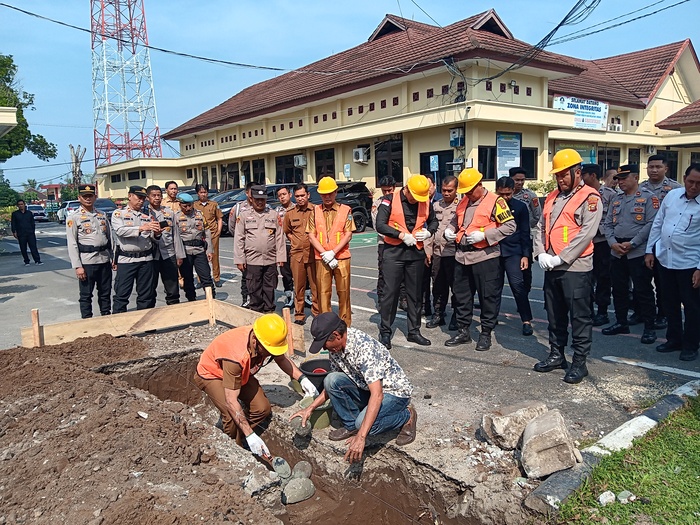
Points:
(397, 219)
(482, 218)
(559, 234)
(331, 239)
(230, 346)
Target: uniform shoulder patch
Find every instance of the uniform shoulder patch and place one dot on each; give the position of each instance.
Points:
(385, 202)
(593, 203)
(502, 211)
(69, 223)
(655, 202)
(536, 202)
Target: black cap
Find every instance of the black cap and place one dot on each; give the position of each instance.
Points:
(512, 172)
(258, 192)
(138, 190)
(86, 189)
(321, 329)
(627, 169)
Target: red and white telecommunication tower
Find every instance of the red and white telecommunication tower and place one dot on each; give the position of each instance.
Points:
(123, 98)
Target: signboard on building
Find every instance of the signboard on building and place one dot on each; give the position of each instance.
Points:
(508, 147)
(587, 150)
(588, 114)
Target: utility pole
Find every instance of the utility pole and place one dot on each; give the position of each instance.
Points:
(76, 158)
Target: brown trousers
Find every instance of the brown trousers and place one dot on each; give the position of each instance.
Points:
(324, 285)
(215, 268)
(301, 273)
(252, 398)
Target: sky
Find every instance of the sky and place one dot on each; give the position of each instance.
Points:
(55, 62)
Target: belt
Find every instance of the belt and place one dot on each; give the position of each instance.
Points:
(623, 239)
(136, 255)
(83, 248)
(197, 243)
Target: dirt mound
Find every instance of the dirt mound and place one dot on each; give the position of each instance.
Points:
(81, 447)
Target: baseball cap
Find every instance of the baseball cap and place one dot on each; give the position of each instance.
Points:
(321, 329)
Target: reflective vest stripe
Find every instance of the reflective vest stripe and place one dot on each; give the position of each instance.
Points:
(481, 220)
(398, 220)
(326, 237)
(560, 233)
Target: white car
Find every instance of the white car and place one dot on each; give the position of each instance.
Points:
(66, 208)
(39, 212)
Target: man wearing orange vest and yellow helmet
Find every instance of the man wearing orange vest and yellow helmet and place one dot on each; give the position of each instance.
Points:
(330, 230)
(226, 373)
(482, 219)
(406, 219)
(563, 246)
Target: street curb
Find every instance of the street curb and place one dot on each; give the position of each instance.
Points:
(552, 492)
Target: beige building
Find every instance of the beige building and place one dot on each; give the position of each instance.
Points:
(8, 120)
(422, 98)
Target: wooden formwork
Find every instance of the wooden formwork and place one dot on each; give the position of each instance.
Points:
(161, 318)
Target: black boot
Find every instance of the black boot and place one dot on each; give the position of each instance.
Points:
(555, 360)
(577, 371)
(649, 335)
(437, 320)
(484, 342)
(453, 323)
(463, 337)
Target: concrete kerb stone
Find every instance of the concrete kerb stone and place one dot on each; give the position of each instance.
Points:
(552, 492)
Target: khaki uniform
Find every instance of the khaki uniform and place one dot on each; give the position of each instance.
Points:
(170, 249)
(443, 256)
(325, 276)
(235, 211)
(259, 243)
(173, 204)
(530, 198)
(196, 238)
(301, 260)
(286, 269)
(212, 214)
(89, 241)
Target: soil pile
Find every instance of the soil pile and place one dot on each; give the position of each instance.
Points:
(77, 446)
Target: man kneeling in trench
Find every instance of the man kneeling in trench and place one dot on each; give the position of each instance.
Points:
(367, 387)
(226, 373)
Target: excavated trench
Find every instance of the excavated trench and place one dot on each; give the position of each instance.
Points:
(389, 486)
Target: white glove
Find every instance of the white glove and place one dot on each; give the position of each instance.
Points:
(409, 240)
(308, 387)
(328, 256)
(333, 264)
(554, 262)
(475, 237)
(450, 234)
(544, 260)
(423, 235)
(257, 445)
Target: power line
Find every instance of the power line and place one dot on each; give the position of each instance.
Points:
(49, 165)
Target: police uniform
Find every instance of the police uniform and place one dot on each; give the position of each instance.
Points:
(443, 267)
(133, 256)
(286, 269)
(301, 259)
(89, 242)
(212, 215)
(601, 261)
(235, 212)
(170, 249)
(629, 220)
(402, 263)
(380, 252)
(196, 239)
(532, 201)
(259, 244)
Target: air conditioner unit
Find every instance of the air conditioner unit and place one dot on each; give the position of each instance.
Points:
(651, 150)
(614, 127)
(360, 155)
(299, 161)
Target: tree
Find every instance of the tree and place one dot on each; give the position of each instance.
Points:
(20, 138)
(69, 193)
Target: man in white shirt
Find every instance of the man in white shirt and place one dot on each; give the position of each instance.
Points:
(674, 238)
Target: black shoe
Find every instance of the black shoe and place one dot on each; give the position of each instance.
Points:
(418, 339)
(634, 319)
(246, 302)
(484, 342)
(688, 355)
(649, 336)
(527, 329)
(600, 319)
(555, 360)
(308, 301)
(616, 328)
(301, 322)
(198, 286)
(218, 284)
(668, 347)
(386, 341)
(453, 323)
(576, 373)
(437, 320)
(661, 323)
(463, 337)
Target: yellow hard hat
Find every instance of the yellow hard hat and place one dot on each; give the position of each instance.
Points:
(565, 159)
(419, 186)
(271, 331)
(327, 185)
(468, 179)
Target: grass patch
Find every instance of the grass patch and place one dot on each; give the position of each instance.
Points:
(662, 469)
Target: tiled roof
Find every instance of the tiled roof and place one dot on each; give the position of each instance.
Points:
(393, 54)
(688, 116)
(630, 80)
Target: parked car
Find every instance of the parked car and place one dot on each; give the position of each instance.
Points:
(107, 206)
(225, 196)
(38, 212)
(66, 208)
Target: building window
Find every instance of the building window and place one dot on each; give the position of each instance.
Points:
(371, 106)
(222, 140)
(143, 174)
(489, 85)
(634, 156)
(429, 93)
(325, 163)
(382, 104)
(189, 173)
(234, 137)
(285, 172)
(205, 176)
(637, 123)
(389, 159)
(503, 87)
(133, 175)
(315, 119)
(360, 109)
(274, 129)
(262, 131)
(349, 112)
(281, 127)
(259, 171)
(291, 124)
(516, 90)
(416, 96)
(116, 178)
(301, 123)
(528, 91)
(256, 132)
(460, 86)
(487, 162)
(334, 115)
(249, 134)
(325, 117)
(445, 89)
(395, 101)
(231, 138)
(528, 160)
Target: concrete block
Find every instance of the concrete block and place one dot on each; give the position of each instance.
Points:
(504, 427)
(547, 446)
(621, 438)
(664, 407)
(298, 489)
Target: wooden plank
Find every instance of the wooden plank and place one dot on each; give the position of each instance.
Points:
(127, 323)
(235, 315)
(210, 305)
(286, 315)
(36, 328)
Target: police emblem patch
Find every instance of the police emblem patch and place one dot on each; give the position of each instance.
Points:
(655, 202)
(592, 203)
(638, 217)
(70, 224)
